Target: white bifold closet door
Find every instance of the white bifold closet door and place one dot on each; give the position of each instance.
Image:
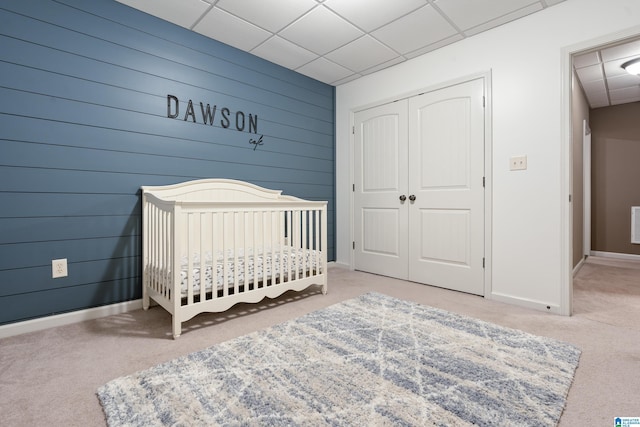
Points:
(381, 222)
(419, 192)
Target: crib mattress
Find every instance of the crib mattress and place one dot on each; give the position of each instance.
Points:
(265, 263)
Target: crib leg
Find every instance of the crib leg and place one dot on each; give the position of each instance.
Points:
(177, 327)
(145, 298)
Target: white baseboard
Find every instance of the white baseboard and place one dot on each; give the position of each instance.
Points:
(617, 255)
(39, 324)
(338, 265)
(536, 305)
(68, 318)
(577, 268)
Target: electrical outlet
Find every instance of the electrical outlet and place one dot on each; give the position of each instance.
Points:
(517, 163)
(59, 268)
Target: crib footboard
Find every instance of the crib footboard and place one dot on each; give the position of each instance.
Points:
(206, 250)
(158, 253)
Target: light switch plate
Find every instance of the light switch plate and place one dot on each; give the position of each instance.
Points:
(518, 163)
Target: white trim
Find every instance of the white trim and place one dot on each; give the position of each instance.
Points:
(566, 211)
(586, 182)
(431, 88)
(352, 181)
(616, 255)
(488, 166)
(527, 303)
(337, 264)
(488, 187)
(578, 266)
(42, 323)
(566, 159)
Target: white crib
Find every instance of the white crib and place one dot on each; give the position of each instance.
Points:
(212, 243)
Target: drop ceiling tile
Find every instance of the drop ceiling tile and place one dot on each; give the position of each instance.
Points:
(614, 68)
(628, 50)
(624, 95)
(598, 99)
(466, 14)
(434, 46)
(324, 70)
(347, 79)
(272, 15)
(396, 60)
(584, 60)
(421, 28)
(361, 54)
(622, 81)
(594, 86)
(293, 33)
(283, 52)
(321, 31)
(183, 13)
(536, 7)
(587, 74)
(224, 27)
(626, 100)
(378, 12)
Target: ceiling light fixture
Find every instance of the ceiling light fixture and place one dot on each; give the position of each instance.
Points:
(632, 67)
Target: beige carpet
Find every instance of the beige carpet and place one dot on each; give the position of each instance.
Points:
(50, 377)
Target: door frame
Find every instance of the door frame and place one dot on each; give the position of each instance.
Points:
(488, 164)
(566, 158)
(586, 185)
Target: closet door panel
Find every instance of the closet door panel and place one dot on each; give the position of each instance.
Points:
(445, 144)
(380, 178)
(445, 236)
(446, 169)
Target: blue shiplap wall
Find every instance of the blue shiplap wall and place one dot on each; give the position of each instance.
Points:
(83, 124)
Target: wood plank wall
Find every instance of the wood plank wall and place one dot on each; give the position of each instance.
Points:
(84, 123)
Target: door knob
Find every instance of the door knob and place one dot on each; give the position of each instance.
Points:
(403, 198)
(412, 198)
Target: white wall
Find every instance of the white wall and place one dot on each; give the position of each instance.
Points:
(530, 224)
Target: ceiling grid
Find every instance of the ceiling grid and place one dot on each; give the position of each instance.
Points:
(336, 41)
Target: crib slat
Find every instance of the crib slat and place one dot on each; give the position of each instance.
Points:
(234, 245)
(267, 250)
(305, 245)
(225, 268)
(281, 243)
(258, 250)
(297, 242)
(291, 243)
(190, 254)
(203, 255)
(316, 247)
(162, 251)
(215, 236)
(246, 244)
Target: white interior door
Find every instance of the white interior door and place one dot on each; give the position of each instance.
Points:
(380, 218)
(446, 177)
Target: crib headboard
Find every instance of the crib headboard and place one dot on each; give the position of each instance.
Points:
(208, 215)
(214, 190)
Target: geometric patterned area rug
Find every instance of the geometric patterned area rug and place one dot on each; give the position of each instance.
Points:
(368, 361)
